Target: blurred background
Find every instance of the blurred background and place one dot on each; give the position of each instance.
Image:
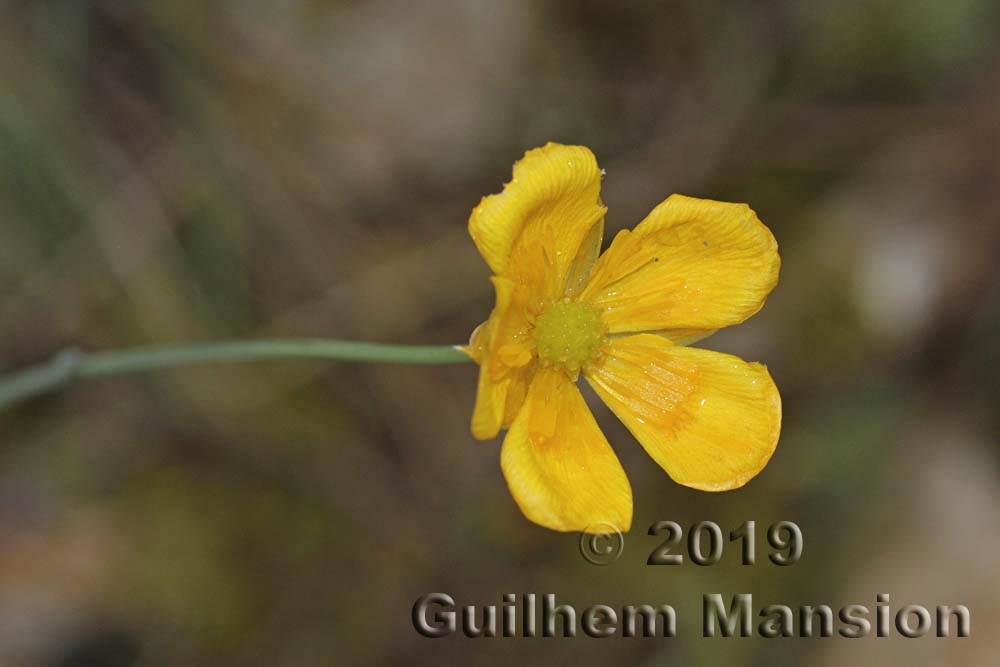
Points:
(188, 171)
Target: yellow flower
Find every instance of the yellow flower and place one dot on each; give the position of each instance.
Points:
(693, 266)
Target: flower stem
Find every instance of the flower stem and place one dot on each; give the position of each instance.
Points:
(71, 365)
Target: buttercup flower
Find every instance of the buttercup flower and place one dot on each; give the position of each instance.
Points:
(621, 319)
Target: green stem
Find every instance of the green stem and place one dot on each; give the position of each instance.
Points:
(72, 365)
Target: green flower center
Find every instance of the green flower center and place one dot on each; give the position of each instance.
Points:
(569, 334)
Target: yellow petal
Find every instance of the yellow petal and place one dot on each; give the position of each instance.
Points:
(505, 362)
(586, 256)
(711, 420)
(545, 217)
(691, 267)
(558, 465)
